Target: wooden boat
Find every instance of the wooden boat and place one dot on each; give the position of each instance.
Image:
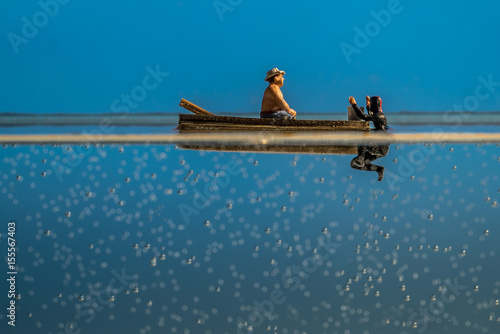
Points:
(205, 121)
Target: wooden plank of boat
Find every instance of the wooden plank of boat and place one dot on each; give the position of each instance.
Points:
(194, 108)
(337, 150)
(204, 123)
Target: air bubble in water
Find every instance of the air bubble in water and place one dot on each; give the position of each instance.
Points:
(463, 252)
(290, 193)
(402, 287)
(206, 223)
(324, 230)
(67, 214)
(135, 290)
(81, 298)
(127, 179)
(486, 232)
(476, 288)
(433, 297)
(135, 245)
(407, 298)
(267, 230)
(283, 208)
(47, 232)
(111, 298)
(430, 217)
(435, 248)
(43, 174)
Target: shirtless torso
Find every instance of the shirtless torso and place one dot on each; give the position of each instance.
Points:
(273, 98)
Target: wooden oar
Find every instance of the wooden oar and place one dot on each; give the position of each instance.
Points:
(194, 108)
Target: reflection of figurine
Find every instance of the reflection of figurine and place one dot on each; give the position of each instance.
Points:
(375, 114)
(367, 154)
(273, 103)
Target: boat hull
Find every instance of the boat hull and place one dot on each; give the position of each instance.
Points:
(198, 123)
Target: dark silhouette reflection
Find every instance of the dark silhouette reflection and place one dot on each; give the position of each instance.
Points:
(368, 154)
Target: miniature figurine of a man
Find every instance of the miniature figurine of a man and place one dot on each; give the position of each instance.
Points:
(375, 114)
(273, 103)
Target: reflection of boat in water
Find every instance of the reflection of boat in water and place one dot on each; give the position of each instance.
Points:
(265, 148)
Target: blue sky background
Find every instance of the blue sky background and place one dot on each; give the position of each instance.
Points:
(87, 54)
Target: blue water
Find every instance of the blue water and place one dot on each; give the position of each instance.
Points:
(334, 245)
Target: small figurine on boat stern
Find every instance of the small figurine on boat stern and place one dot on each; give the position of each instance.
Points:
(375, 114)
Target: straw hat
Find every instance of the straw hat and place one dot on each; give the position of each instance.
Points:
(274, 72)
